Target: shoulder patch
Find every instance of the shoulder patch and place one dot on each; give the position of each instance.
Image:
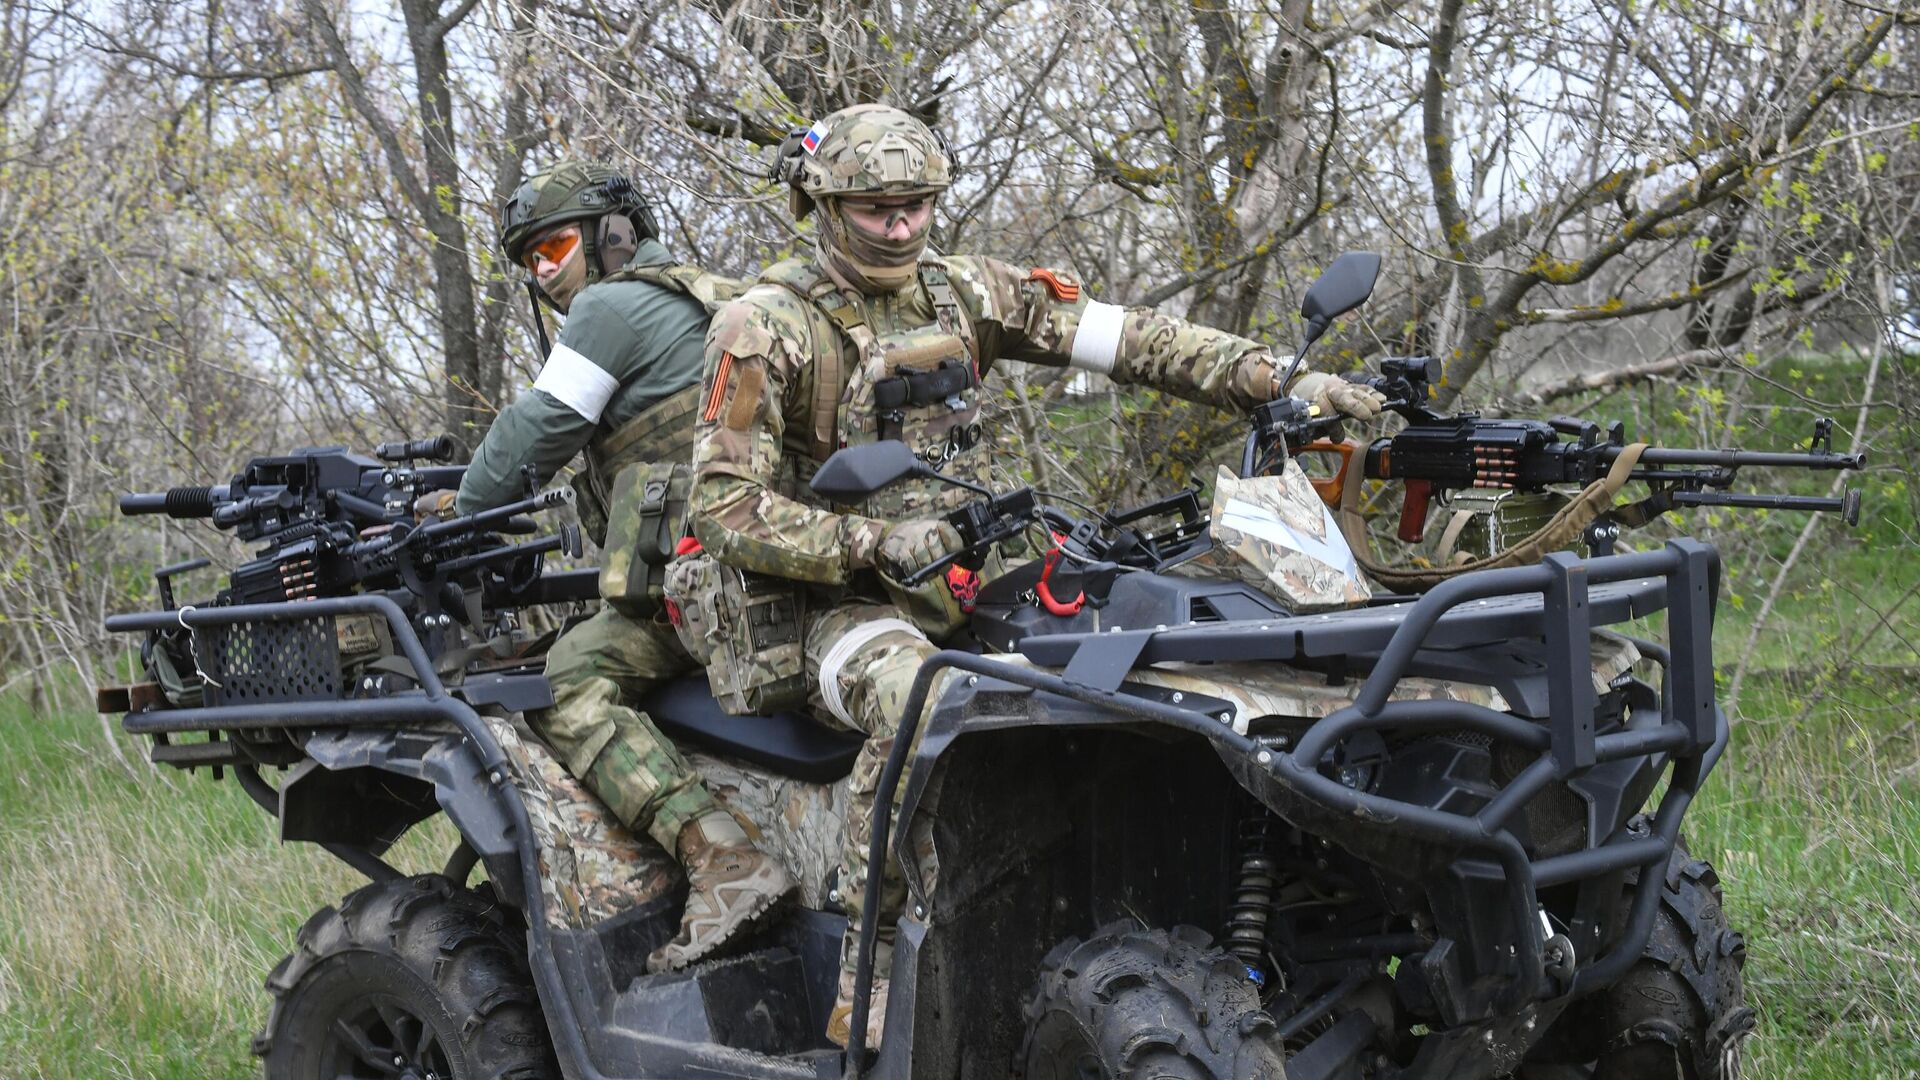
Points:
(1064, 288)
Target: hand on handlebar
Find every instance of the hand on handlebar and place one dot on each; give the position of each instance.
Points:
(913, 545)
(1332, 394)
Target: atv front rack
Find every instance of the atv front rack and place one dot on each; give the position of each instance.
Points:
(513, 861)
(1558, 601)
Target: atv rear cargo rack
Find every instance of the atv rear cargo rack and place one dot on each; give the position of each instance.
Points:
(1558, 602)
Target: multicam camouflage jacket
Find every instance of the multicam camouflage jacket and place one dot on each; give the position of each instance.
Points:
(767, 421)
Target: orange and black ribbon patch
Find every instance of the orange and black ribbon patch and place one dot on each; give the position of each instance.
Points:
(717, 393)
(1063, 289)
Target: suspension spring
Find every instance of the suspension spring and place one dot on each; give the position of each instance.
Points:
(1252, 903)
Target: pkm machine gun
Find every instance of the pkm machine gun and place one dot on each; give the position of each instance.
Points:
(1438, 453)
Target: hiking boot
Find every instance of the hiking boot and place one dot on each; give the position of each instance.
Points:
(840, 1021)
(730, 886)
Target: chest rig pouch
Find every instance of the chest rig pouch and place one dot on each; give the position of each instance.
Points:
(633, 500)
(744, 628)
(646, 517)
(905, 379)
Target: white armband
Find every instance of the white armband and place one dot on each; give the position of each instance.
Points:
(1096, 343)
(577, 382)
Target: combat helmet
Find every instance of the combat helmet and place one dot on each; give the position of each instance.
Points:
(574, 191)
(863, 150)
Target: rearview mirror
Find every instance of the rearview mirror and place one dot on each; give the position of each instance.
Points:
(855, 472)
(1345, 285)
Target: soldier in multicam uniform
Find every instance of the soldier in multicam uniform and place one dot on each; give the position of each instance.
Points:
(875, 340)
(621, 384)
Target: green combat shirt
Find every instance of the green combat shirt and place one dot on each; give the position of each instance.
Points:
(625, 346)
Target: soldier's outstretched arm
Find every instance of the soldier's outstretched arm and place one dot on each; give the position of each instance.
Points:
(1044, 316)
(738, 514)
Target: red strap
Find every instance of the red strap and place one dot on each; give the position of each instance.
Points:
(1044, 591)
(688, 545)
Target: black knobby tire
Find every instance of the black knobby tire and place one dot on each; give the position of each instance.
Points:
(407, 978)
(1679, 1012)
(1136, 1004)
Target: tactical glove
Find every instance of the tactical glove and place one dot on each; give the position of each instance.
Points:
(910, 545)
(931, 605)
(1333, 394)
(434, 506)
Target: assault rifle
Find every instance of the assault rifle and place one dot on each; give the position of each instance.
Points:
(333, 523)
(1441, 453)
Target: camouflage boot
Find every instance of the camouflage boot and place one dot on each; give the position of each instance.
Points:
(731, 885)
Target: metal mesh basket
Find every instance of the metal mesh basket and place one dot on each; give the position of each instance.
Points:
(284, 660)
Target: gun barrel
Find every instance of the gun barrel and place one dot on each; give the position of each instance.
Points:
(1729, 459)
(178, 502)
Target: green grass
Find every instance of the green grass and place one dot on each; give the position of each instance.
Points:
(139, 910)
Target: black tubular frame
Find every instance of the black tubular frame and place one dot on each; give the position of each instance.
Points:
(1689, 729)
(431, 703)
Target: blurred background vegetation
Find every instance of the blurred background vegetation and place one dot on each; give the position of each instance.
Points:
(230, 230)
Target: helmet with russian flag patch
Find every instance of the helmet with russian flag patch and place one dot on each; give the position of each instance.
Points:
(863, 150)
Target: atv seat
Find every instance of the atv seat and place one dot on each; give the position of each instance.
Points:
(789, 743)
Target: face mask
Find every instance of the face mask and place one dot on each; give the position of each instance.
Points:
(562, 287)
(872, 264)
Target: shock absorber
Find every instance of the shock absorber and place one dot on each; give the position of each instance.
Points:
(1252, 902)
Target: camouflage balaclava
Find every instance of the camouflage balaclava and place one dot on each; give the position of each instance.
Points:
(612, 216)
(871, 151)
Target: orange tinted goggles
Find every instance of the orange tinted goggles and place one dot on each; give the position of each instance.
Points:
(553, 249)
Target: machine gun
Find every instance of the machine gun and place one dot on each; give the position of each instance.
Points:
(1436, 452)
(333, 523)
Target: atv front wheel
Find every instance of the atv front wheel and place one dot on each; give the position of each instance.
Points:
(1679, 1012)
(410, 978)
(1134, 1004)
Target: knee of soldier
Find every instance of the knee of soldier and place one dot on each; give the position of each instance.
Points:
(567, 657)
(883, 681)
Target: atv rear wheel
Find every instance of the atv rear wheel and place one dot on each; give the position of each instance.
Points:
(1679, 1012)
(1135, 1004)
(412, 978)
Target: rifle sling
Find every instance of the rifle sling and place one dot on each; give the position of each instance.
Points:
(1557, 534)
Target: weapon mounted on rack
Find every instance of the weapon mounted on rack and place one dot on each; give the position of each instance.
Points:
(334, 523)
(1436, 453)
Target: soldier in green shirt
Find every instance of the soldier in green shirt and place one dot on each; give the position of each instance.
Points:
(620, 384)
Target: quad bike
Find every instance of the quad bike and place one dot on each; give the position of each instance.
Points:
(1191, 802)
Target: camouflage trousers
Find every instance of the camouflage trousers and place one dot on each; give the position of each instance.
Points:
(872, 673)
(596, 669)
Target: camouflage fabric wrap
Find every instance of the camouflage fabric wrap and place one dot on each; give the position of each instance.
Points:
(800, 823)
(595, 669)
(591, 868)
(867, 150)
(1275, 533)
